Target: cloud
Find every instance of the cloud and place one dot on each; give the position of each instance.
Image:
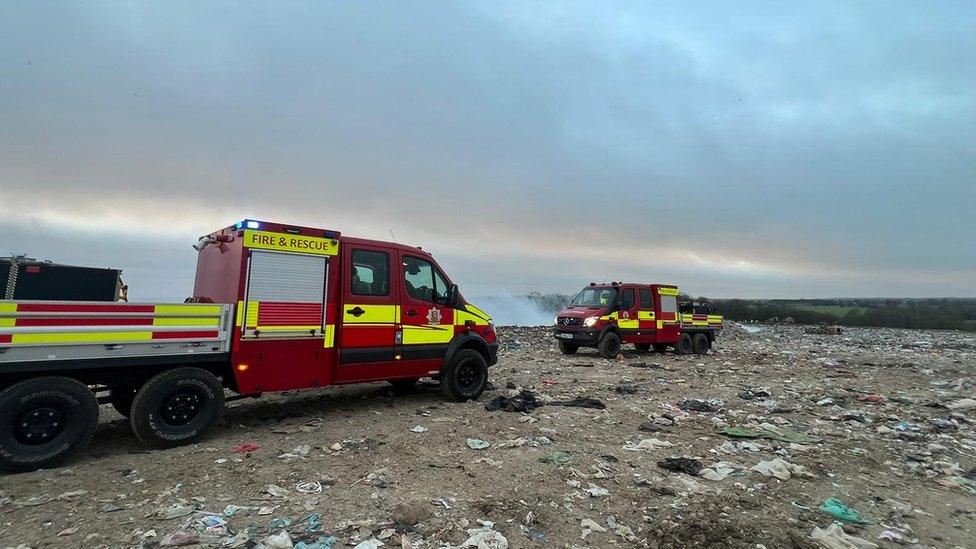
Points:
(768, 150)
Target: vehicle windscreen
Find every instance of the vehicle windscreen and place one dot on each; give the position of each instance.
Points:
(595, 297)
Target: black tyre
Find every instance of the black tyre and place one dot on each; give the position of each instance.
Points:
(642, 347)
(660, 348)
(609, 346)
(700, 343)
(177, 407)
(44, 421)
(567, 348)
(404, 386)
(121, 399)
(465, 377)
(684, 345)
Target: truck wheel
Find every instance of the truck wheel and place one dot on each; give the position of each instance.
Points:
(404, 386)
(44, 421)
(660, 348)
(465, 377)
(609, 346)
(567, 348)
(684, 345)
(121, 399)
(177, 407)
(642, 347)
(700, 342)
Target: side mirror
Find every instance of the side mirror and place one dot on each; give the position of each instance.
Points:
(452, 296)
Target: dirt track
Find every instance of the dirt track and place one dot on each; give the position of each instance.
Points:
(906, 463)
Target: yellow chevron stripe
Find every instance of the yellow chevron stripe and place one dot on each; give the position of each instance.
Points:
(81, 337)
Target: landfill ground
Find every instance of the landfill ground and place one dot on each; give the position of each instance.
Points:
(557, 475)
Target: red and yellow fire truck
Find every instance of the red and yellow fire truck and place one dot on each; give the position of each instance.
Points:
(275, 307)
(648, 315)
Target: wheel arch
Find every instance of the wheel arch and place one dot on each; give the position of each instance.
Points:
(467, 340)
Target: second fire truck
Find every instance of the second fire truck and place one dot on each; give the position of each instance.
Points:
(648, 315)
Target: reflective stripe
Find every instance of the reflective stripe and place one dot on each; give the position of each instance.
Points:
(374, 314)
(81, 337)
(667, 291)
(188, 310)
(413, 335)
(478, 312)
(645, 315)
(184, 321)
(461, 316)
(628, 323)
(329, 335)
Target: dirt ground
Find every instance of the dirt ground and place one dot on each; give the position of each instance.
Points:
(344, 467)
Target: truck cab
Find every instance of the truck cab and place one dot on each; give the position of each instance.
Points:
(605, 316)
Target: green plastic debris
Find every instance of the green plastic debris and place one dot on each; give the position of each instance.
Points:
(787, 436)
(313, 522)
(836, 508)
(557, 458)
(278, 523)
(478, 444)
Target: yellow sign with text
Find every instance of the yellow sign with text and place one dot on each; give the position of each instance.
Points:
(667, 291)
(297, 243)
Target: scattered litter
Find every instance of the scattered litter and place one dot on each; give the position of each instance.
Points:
(309, 487)
(581, 402)
(717, 472)
(681, 465)
(834, 537)
(525, 401)
(589, 526)
(695, 405)
(780, 469)
(556, 458)
(783, 436)
(477, 444)
(245, 448)
(836, 508)
(419, 429)
(485, 538)
(595, 491)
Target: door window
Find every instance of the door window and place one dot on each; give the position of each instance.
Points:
(423, 281)
(645, 299)
(370, 273)
(628, 299)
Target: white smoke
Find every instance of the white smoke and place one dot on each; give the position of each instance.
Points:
(510, 310)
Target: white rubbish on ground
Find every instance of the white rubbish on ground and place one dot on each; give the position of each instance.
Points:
(589, 526)
(834, 537)
(780, 469)
(485, 538)
(281, 540)
(717, 472)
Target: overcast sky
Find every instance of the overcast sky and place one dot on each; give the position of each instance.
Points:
(742, 149)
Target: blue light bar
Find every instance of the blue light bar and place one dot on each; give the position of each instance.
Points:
(253, 225)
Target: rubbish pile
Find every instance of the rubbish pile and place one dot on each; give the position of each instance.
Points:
(780, 438)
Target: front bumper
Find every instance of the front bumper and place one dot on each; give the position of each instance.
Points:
(587, 337)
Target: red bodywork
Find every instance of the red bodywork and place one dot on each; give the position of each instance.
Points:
(348, 349)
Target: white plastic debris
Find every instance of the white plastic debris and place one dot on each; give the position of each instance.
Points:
(281, 540)
(834, 537)
(484, 538)
(589, 526)
(717, 472)
(596, 491)
(780, 469)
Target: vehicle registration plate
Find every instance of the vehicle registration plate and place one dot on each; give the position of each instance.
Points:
(565, 335)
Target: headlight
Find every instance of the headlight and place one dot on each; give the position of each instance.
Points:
(555, 321)
(590, 320)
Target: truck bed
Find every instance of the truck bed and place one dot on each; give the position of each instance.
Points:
(41, 332)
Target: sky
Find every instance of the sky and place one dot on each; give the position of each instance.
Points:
(738, 149)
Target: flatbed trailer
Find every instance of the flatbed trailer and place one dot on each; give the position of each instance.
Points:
(275, 307)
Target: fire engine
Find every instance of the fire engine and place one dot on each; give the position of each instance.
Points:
(648, 315)
(275, 307)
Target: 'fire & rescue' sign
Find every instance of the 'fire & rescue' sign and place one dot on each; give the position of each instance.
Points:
(265, 240)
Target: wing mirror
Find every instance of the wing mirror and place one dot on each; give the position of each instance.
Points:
(453, 296)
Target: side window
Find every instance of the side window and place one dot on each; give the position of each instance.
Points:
(370, 273)
(669, 304)
(418, 276)
(645, 299)
(629, 298)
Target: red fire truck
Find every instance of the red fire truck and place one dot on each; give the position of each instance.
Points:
(648, 315)
(275, 307)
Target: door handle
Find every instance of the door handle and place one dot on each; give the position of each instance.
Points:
(356, 311)
(411, 312)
